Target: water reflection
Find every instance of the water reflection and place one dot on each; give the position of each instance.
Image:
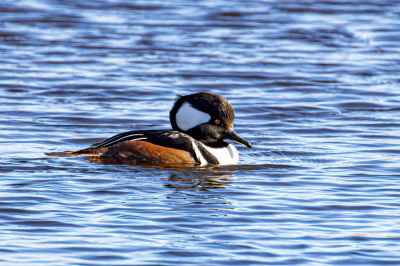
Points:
(200, 181)
(182, 176)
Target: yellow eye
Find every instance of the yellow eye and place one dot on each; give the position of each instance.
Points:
(217, 121)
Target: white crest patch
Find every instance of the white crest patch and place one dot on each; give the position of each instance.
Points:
(188, 117)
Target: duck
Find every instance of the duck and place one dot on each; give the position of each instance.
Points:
(201, 124)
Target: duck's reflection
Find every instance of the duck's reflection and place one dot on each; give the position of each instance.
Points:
(203, 180)
(185, 176)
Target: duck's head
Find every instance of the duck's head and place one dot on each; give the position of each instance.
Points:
(206, 117)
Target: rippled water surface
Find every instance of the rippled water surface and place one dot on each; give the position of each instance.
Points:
(315, 86)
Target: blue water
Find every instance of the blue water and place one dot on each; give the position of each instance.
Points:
(315, 87)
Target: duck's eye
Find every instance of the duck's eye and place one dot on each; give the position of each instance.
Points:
(217, 121)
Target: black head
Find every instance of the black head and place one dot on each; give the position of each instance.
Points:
(206, 117)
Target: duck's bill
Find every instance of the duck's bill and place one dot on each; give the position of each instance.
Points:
(231, 134)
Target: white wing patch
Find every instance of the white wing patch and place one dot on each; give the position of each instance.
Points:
(118, 138)
(188, 117)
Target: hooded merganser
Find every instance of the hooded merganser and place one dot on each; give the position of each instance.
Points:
(201, 122)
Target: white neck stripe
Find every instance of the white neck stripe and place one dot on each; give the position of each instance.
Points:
(225, 156)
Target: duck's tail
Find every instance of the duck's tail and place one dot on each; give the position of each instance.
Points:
(81, 153)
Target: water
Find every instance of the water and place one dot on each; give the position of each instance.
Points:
(315, 86)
